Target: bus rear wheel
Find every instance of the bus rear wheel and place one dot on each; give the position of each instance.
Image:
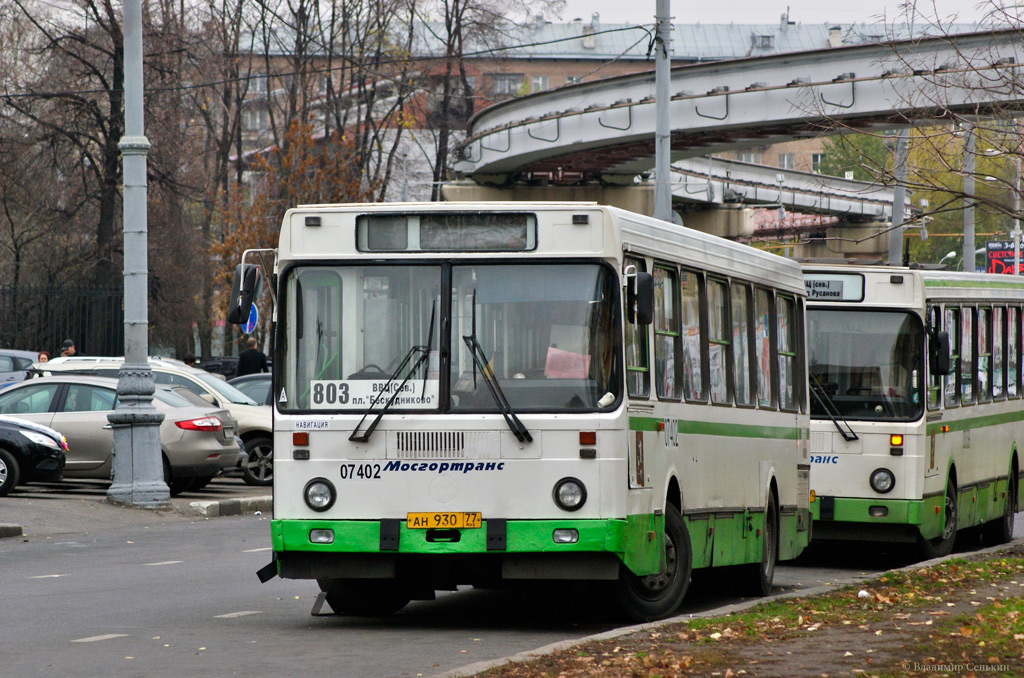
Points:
(943, 544)
(364, 597)
(646, 598)
(759, 577)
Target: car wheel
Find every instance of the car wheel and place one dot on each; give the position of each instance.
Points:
(175, 485)
(9, 472)
(258, 468)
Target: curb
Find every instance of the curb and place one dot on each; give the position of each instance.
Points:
(478, 667)
(8, 530)
(230, 507)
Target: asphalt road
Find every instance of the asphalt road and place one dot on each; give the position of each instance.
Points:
(138, 593)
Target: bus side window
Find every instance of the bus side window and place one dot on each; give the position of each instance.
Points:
(1012, 351)
(638, 376)
(998, 342)
(984, 351)
(667, 362)
(934, 396)
(952, 388)
(743, 369)
(967, 328)
(786, 327)
(764, 322)
(719, 355)
(692, 302)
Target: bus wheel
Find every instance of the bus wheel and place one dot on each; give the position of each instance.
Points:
(942, 545)
(9, 472)
(758, 577)
(657, 596)
(1000, 530)
(364, 597)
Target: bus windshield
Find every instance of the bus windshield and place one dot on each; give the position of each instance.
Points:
(548, 337)
(867, 363)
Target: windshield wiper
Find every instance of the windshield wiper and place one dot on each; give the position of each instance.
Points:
(424, 351)
(832, 411)
(491, 381)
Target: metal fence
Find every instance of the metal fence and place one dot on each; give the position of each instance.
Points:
(36, 318)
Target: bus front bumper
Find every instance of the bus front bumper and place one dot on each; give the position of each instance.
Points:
(875, 519)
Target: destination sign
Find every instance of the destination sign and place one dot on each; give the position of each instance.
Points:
(834, 287)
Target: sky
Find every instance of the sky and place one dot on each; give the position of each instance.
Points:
(759, 11)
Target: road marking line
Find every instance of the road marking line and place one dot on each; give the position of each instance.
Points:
(267, 548)
(46, 576)
(232, 615)
(93, 639)
(166, 562)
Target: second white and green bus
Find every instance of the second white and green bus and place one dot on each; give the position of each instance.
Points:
(485, 393)
(917, 420)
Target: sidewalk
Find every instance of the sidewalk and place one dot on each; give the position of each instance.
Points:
(78, 507)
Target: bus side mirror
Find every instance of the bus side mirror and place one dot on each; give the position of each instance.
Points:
(246, 287)
(640, 298)
(939, 354)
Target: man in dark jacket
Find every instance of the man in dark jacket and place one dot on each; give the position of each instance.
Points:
(251, 360)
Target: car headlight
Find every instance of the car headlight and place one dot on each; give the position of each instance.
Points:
(570, 494)
(319, 494)
(40, 439)
(882, 480)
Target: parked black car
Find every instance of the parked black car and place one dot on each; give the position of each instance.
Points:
(29, 452)
(226, 366)
(256, 386)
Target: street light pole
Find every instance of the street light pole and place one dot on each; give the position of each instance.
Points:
(138, 463)
(899, 195)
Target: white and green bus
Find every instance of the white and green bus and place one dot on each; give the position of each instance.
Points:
(484, 393)
(916, 410)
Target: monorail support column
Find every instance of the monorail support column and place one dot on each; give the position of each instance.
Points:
(663, 129)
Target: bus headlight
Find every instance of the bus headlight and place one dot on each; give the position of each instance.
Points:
(570, 494)
(319, 494)
(882, 480)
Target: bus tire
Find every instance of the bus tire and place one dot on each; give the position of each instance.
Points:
(651, 597)
(943, 544)
(1000, 530)
(364, 597)
(759, 577)
(9, 472)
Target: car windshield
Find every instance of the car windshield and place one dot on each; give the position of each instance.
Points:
(225, 389)
(547, 335)
(868, 363)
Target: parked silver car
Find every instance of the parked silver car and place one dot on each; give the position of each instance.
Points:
(254, 420)
(197, 443)
(14, 365)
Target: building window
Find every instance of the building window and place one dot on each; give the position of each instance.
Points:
(573, 79)
(256, 83)
(750, 156)
(540, 83)
(255, 119)
(816, 160)
(764, 41)
(786, 161)
(507, 84)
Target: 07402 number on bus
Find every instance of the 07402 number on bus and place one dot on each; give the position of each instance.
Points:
(360, 471)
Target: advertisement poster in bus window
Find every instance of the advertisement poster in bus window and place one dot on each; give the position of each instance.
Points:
(966, 357)
(984, 353)
(785, 378)
(953, 328)
(719, 387)
(997, 352)
(1011, 352)
(762, 344)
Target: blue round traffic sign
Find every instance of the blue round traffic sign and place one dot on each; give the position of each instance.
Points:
(254, 317)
